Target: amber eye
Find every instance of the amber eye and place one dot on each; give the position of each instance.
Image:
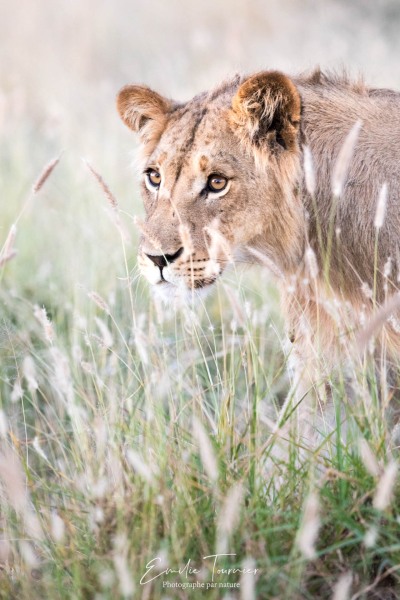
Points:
(216, 183)
(153, 177)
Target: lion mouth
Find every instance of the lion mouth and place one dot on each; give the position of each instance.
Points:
(181, 278)
(197, 284)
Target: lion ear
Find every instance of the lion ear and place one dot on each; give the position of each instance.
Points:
(137, 105)
(266, 110)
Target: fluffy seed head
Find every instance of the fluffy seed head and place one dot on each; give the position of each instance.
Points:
(343, 587)
(308, 533)
(311, 263)
(369, 459)
(248, 580)
(45, 174)
(101, 303)
(206, 451)
(384, 490)
(309, 172)
(107, 192)
(343, 160)
(381, 207)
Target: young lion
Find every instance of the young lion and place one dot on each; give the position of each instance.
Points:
(301, 174)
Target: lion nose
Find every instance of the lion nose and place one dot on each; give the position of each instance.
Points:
(165, 259)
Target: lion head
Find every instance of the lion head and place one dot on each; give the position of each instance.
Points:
(219, 178)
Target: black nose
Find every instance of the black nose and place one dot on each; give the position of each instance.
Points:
(165, 259)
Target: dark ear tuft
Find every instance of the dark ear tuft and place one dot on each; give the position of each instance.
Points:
(266, 109)
(138, 104)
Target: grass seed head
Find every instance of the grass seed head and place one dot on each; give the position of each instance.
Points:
(370, 537)
(381, 207)
(45, 174)
(311, 263)
(57, 527)
(384, 490)
(229, 516)
(41, 315)
(308, 532)
(107, 192)
(343, 587)
(120, 557)
(309, 172)
(206, 450)
(29, 371)
(101, 303)
(248, 580)
(3, 424)
(344, 158)
(369, 459)
(139, 465)
(13, 479)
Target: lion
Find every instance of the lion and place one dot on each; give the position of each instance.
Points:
(301, 174)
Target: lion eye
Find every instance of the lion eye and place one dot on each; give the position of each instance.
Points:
(216, 183)
(154, 178)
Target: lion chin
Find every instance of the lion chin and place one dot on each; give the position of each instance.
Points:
(176, 295)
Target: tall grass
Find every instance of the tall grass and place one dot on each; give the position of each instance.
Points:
(135, 438)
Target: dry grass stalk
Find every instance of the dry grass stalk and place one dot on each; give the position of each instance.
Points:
(41, 315)
(8, 251)
(5, 258)
(107, 192)
(10, 239)
(45, 174)
(343, 160)
(101, 303)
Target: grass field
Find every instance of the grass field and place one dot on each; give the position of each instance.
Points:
(131, 432)
(136, 440)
